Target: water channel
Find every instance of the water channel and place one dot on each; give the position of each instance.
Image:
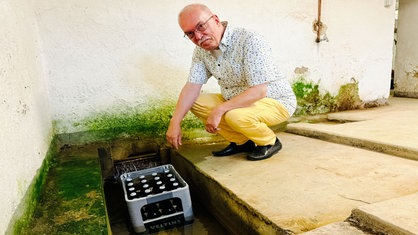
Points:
(119, 219)
(72, 200)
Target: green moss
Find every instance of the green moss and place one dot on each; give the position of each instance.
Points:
(150, 121)
(71, 201)
(26, 209)
(348, 98)
(312, 101)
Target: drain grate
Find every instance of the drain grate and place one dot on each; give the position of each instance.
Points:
(113, 169)
(139, 162)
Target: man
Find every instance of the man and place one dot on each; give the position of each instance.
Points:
(253, 95)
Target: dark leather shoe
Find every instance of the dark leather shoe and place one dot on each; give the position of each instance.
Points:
(233, 148)
(264, 152)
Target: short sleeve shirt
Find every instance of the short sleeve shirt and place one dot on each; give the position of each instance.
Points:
(244, 59)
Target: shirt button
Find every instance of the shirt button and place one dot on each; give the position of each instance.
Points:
(219, 64)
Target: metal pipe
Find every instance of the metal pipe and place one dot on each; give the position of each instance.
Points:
(319, 23)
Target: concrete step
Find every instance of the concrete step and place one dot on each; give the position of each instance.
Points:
(388, 129)
(340, 228)
(353, 135)
(398, 216)
(309, 184)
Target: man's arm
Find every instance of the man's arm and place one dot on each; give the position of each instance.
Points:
(188, 96)
(245, 99)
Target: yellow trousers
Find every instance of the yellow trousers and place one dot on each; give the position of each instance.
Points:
(243, 124)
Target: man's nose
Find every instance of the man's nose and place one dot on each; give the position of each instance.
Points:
(198, 35)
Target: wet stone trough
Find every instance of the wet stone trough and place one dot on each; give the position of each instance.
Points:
(145, 195)
(84, 193)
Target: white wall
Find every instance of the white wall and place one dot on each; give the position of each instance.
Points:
(359, 45)
(25, 126)
(107, 55)
(110, 55)
(406, 64)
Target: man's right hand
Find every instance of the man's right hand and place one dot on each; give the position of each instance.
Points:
(187, 97)
(173, 135)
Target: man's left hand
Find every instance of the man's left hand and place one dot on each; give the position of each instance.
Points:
(212, 123)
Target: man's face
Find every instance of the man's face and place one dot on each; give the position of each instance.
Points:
(201, 28)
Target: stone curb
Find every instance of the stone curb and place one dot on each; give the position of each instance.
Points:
(382, 218)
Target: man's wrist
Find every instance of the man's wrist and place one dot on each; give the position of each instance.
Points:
(174, 121)
(222, 109)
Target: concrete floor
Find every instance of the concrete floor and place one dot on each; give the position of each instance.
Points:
(356, 160)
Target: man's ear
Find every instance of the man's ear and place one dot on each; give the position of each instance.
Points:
(216, 18)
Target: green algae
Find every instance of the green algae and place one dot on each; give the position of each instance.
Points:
(71, 201)
(24, 212)
(150, 121)
(312, 100)
(348, 98)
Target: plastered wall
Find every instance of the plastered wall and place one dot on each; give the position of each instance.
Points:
(406, 62)
(26, 124)
(113, 55)
(62, 61)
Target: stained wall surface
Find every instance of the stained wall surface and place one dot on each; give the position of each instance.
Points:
(112, 56)
(25, 114)
(406, 62)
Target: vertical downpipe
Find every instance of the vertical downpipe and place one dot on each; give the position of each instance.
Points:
(319, 23)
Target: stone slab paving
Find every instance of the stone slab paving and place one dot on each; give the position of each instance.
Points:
(393, 216)
(309, 183)
(390, 129)
(340, 228)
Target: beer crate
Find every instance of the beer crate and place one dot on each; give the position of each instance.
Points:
(157, 199)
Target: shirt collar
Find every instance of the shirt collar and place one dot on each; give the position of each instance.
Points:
(226, 38)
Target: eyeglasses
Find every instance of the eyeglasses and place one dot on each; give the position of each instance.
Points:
(200, 28)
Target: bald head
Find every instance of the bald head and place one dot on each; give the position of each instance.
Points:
(202, 27)
(195, 8)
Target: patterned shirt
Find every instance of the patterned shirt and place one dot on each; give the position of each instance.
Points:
(243, 60)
